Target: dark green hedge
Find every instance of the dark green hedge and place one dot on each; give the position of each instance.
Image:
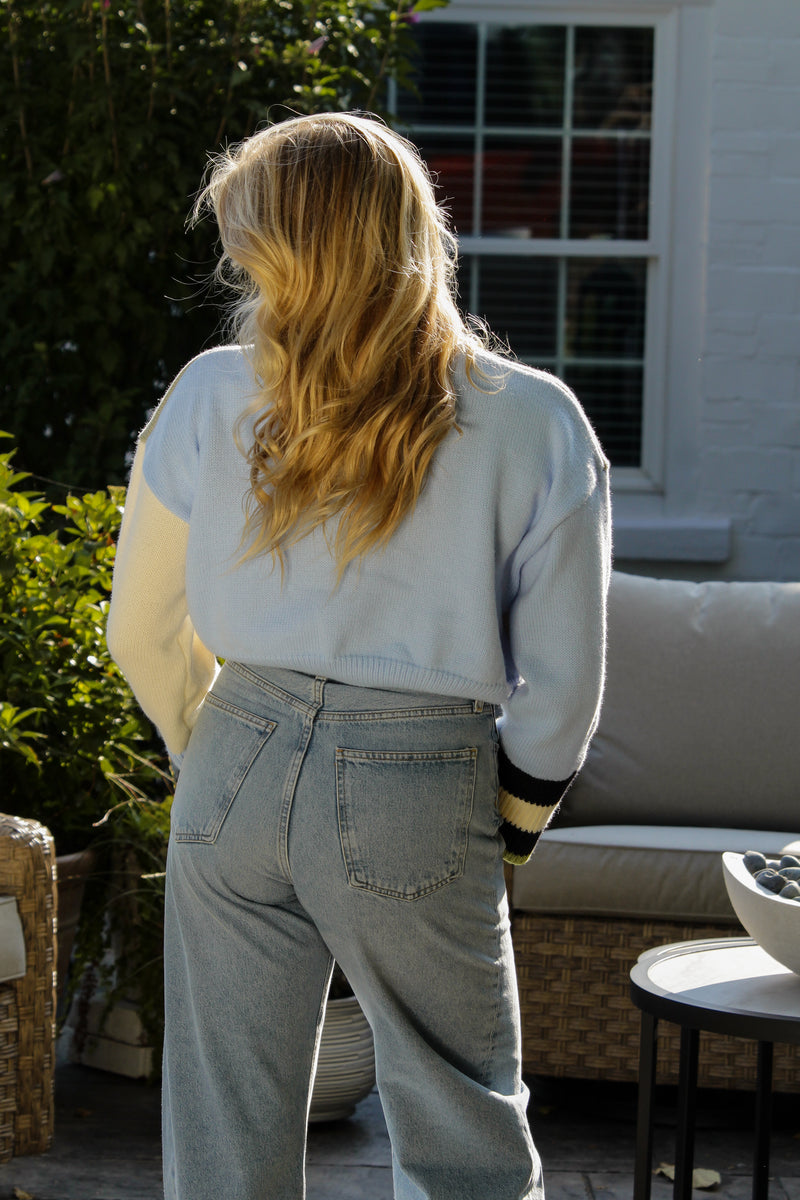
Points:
(108, 110)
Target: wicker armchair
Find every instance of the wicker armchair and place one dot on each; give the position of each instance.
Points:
(28, 1002)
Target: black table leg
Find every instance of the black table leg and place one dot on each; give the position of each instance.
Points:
(687, 1096)
(644, 1110)
(763, 1121)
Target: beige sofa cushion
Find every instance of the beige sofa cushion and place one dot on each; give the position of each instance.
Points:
(668, 873)
(12, 941)
(701, 716)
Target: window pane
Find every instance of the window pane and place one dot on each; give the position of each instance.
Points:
(612, 397)
(464, 281)
(521, 186)
(445, 76)
(525, 75)
(451, 160)
(605, 308)
(613, 78)
(517, 296)
(609, 187)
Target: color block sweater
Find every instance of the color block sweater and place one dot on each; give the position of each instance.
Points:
(492, 589)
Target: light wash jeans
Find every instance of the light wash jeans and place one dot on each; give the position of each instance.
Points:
(314, 819)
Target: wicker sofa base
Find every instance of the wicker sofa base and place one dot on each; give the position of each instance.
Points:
(577, 1016)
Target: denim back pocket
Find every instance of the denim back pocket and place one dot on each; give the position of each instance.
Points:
(224, 744)
(404, 818)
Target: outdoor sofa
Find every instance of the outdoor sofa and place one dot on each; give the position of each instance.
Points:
(697, 752)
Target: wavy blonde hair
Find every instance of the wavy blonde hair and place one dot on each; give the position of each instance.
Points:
(344, 265)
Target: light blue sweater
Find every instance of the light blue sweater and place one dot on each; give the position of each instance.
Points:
(493, 589)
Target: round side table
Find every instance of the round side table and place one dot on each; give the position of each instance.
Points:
(725, 985)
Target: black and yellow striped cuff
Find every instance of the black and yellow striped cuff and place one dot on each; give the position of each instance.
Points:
(526, 804)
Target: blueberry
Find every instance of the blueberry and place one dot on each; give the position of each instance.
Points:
(790, 860)
(790, 892)
(754, 861)
(790, 872)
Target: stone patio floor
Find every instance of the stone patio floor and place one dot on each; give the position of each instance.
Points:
(107, 1144)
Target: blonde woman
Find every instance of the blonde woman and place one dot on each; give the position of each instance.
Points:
(398, 542)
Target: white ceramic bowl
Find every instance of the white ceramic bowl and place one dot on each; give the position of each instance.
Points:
(770, 920)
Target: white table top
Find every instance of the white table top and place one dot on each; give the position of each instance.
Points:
(723, 975)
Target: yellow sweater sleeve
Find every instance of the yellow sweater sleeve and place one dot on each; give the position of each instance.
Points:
(150, 633)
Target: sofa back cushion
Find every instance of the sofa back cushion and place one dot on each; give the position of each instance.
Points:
(701, 715)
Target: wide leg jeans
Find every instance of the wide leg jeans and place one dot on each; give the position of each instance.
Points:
(316, 820)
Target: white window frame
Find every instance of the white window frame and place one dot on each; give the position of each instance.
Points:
(655, 513)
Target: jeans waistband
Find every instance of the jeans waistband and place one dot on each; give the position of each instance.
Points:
(330, 695)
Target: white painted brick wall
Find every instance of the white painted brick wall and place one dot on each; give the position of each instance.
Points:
(749, 464)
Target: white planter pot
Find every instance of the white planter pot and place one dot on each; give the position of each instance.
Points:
(346, 1065)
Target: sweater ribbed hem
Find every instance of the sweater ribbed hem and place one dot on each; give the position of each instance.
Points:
(516, 860)
(519, 846)
(391, 675)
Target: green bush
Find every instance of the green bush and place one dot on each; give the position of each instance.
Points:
(71, 734)
(108, 110)
(76, 752)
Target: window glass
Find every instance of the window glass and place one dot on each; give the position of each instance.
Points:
(518, 297)
(464, 282)
(525, 76)
(605, 308)
(451, 161)
(609, 188)
(445, 76)
(613, 78)
(612, 397)
(521, 194)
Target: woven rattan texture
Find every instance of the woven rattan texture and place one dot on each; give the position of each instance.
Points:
(577, 1016)
(27, 872)
(9, 1057)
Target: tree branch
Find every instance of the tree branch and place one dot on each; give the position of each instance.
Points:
(12, 37)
